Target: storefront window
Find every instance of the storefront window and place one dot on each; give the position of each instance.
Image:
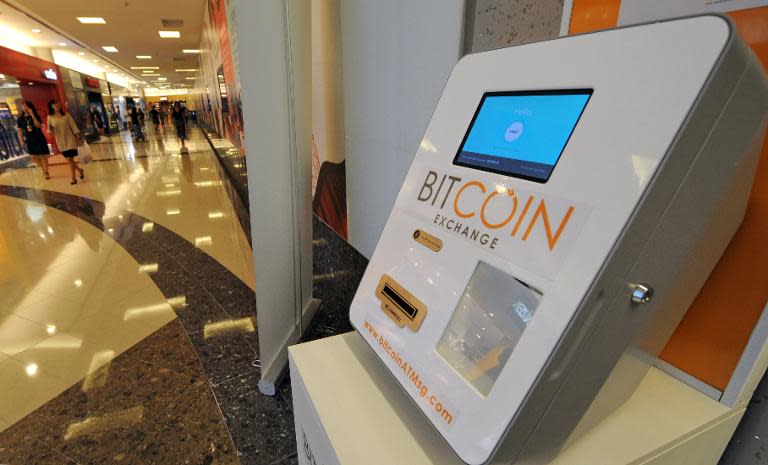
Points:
(10, 109)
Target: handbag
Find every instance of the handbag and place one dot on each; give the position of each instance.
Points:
(84, 153)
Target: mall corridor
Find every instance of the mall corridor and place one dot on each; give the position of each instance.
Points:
(126, 305)
(433, 232)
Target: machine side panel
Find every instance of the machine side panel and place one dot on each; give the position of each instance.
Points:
(606, 321)
(713, 194)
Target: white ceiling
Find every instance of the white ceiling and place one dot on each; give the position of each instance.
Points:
(131, 26)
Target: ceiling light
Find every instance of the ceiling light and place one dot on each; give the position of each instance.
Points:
(162, 79)
(191, 70)
(95, 61)
(191, 50)
(190, 78)
(91, 20)
(109, 49)
(36, 31)
(81, 53)
(145, 67)
(169, 34)
(62, 44)
(144, 57)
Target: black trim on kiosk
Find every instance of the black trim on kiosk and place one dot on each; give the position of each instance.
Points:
(513, 166)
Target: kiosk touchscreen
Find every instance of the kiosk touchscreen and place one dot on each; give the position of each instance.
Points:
(567, 202)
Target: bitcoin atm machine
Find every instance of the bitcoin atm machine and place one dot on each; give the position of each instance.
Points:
(567, 202)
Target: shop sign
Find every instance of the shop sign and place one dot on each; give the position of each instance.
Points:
(92, 83)
(50, 73)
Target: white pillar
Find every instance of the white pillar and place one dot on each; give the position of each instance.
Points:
(396, 58)
(275, 62)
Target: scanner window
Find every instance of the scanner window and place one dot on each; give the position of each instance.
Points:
(487, 324)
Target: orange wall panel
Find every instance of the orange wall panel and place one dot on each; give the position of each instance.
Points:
(713, 334)
(711, 338)
(593, 15)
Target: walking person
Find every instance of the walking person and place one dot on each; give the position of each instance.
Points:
(154, 113)
(136, 130)
(180, 122)
(63, 129)
(31, 135)
(97, 120)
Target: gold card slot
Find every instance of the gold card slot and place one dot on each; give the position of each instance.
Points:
(399, 304)
(428, 240)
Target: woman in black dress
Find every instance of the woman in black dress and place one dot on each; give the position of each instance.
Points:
(180, 121)
(31, 135)
(96, 119)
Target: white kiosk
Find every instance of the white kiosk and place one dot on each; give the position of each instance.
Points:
(566, 204)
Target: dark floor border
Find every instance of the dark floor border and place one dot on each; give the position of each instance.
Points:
(235, 182)
(201, 291)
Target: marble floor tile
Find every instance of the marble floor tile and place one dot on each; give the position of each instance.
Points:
(69, 357)
(169, 347)
(261, 426)
(163, 237)
(169, 435)
(198, 309)
(125, 419)
(30, 452)
(18, 334)
(216, 449)
(54, 314)
(285, 392)
(129, 411)
(110, 439)
(188, 424)
(24, 388)
(224, 353)
(50, 457)
(96, 338)
(292, 460)
(196, 261)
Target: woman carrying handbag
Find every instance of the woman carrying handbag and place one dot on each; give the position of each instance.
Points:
(63, 129)
(31, 135)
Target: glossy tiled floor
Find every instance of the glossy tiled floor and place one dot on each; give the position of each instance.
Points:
(63, 313)
(183, 193)
(127, 315)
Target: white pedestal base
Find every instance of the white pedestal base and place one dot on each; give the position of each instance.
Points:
(350, 411)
